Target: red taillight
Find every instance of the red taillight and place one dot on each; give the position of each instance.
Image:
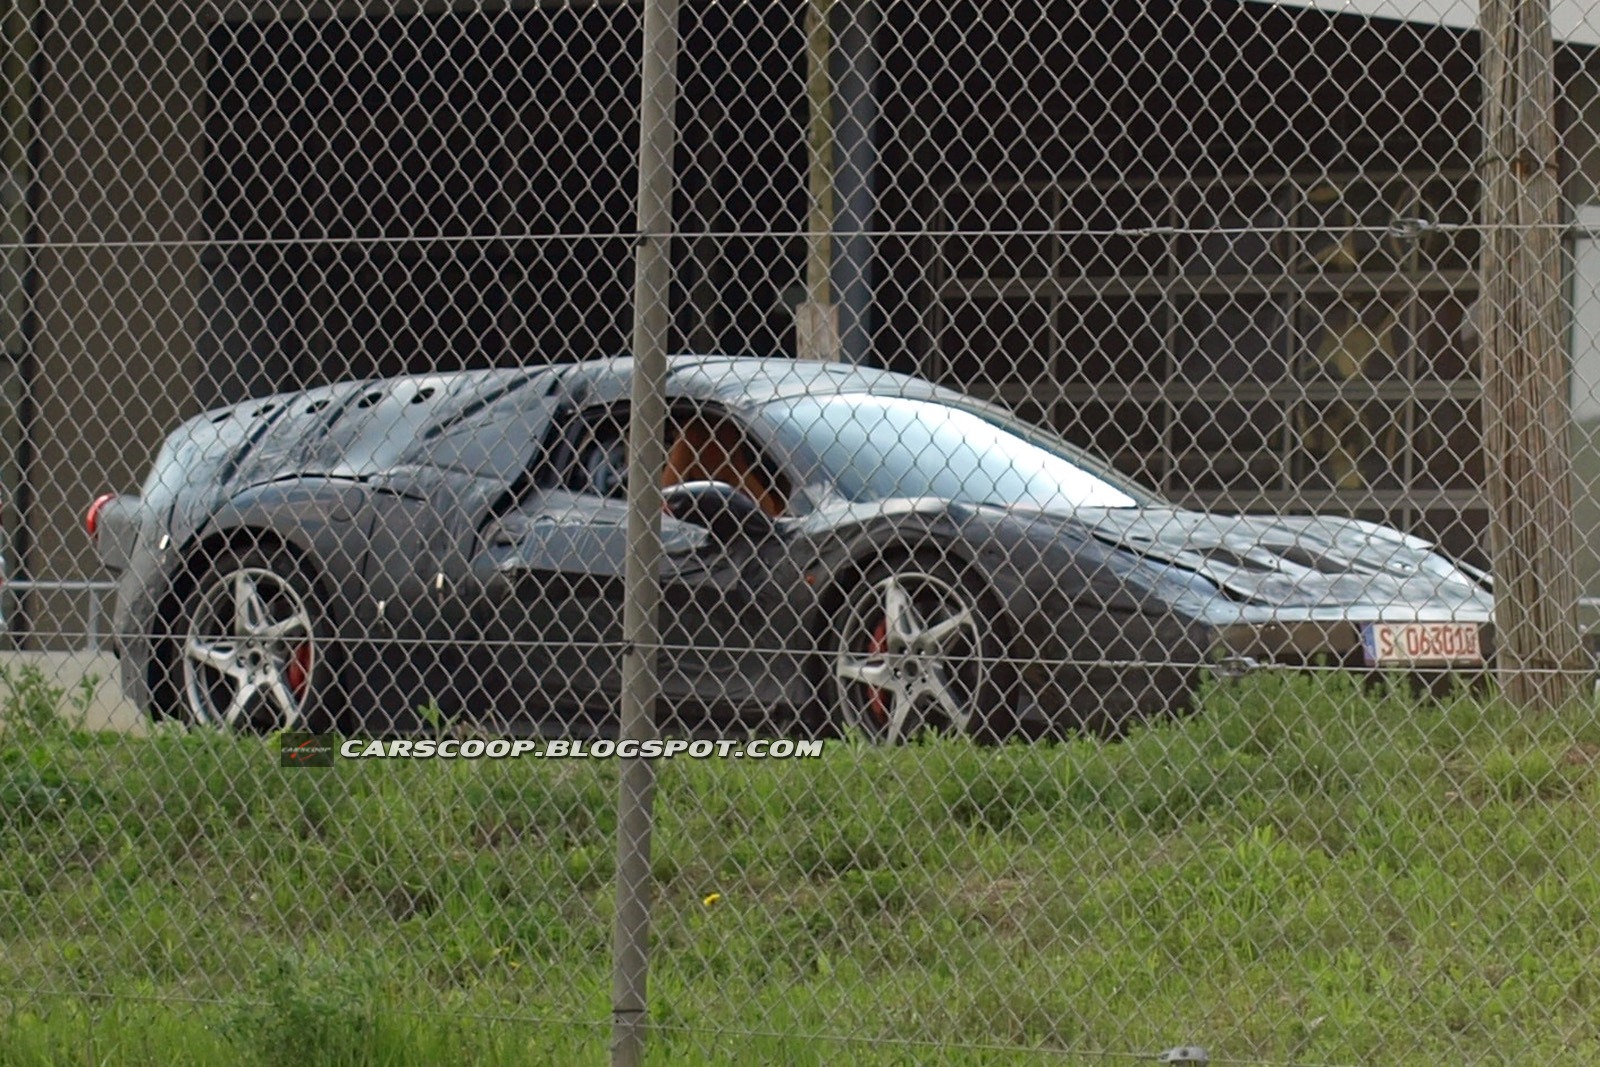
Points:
(91, 521)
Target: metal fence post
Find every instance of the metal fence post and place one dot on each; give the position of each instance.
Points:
(646, 457)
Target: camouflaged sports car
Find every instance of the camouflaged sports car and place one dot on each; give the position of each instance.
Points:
(845, 548)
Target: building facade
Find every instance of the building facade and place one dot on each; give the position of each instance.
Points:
(1230, 245)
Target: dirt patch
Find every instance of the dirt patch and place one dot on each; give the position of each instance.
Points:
(1581, 754)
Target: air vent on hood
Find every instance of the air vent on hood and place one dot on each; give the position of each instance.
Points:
(1304, 557)
(1230, 558)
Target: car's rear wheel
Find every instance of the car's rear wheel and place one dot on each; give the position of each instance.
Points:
(912, 651)
(252, 648)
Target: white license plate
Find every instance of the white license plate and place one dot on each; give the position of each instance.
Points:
(1421, 643)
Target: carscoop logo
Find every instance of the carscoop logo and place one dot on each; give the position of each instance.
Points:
(304, 750)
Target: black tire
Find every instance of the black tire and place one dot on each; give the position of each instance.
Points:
(928, 637)
(251, 648)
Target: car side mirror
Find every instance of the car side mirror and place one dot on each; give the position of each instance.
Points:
(727, 512)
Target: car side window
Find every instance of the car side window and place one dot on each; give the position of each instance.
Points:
(591, 455)
(706, 445)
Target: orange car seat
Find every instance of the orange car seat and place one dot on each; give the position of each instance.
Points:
(700, 452)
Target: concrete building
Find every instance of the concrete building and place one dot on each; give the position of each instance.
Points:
(1233, 241)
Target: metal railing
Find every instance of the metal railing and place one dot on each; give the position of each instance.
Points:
(98, 589)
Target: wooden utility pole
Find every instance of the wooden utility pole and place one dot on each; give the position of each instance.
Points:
(817, 319)
(1526, 417)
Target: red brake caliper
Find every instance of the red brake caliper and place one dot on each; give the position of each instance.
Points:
(877, 647)
(299, 668)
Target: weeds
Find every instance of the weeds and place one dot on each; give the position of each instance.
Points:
(32, 706)
(1307, 869)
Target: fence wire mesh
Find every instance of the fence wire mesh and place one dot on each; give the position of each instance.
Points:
(1088, 438)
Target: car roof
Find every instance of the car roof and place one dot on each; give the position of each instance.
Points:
(366, 426)
(740, 380)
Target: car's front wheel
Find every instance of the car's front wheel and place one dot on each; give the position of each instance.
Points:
(912, 651)
(252, 646)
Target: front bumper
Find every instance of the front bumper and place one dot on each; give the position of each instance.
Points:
(1103, 685)
(1305, 642)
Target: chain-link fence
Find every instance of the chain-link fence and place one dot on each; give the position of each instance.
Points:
(733, 532)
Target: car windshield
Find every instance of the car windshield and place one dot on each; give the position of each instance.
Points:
(876, 447)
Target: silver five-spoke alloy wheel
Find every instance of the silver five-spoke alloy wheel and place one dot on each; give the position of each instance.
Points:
(910, 657)
(249, 652)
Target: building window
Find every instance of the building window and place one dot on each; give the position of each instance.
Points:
(1290, 342)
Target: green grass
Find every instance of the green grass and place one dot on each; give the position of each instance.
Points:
(1306, 871)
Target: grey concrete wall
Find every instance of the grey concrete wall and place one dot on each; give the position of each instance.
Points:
(1582, 144)
(119, 187)
(93, 699)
